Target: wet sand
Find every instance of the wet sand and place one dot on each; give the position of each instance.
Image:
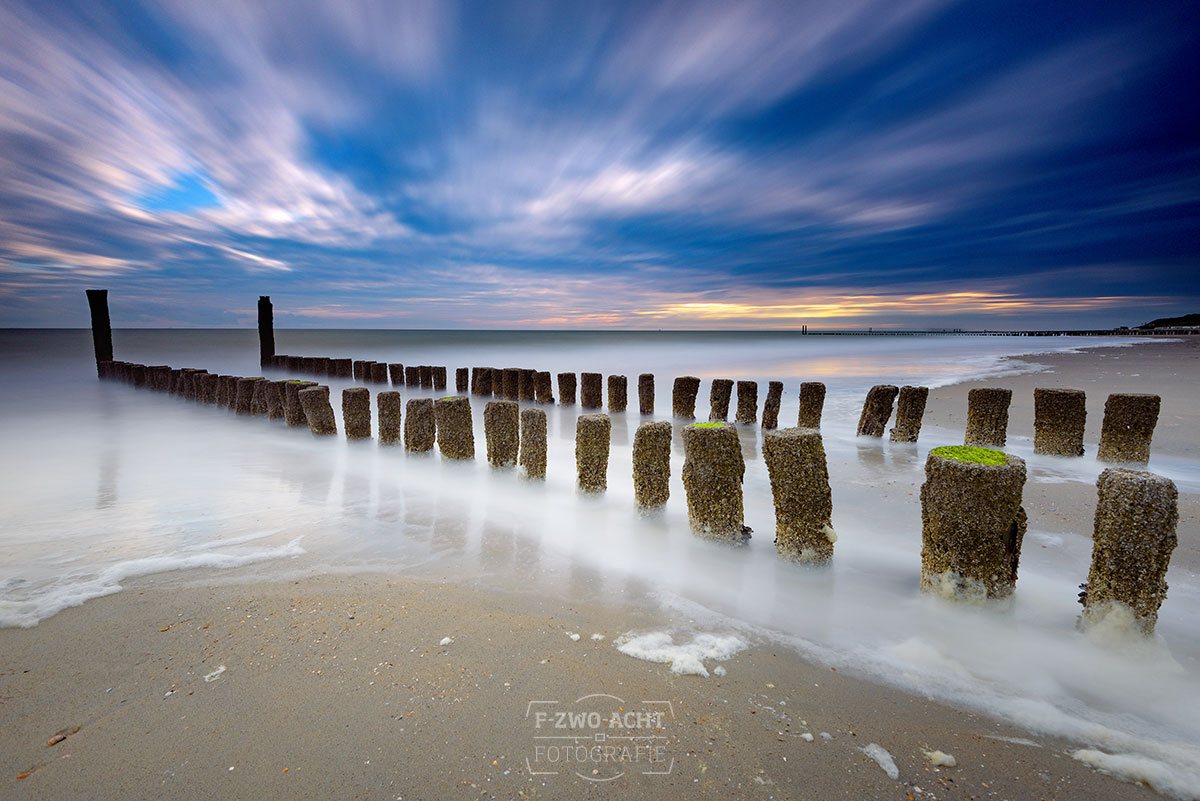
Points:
(219, 684)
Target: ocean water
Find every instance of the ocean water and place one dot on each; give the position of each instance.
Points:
(101, 482)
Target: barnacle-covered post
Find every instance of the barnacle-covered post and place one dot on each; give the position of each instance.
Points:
(293, 411)
(501, 420)
(245, 393)
(987, 417)
(512, 376)
(412, 376)
(812, 402)
(525, 384)
(396, 374)
(877, 408)
(592, 435)
(317, 411)
(1129, 421)
(388, 402)
(591, 390)
(713, 468)
(618, 393)
(972, 522)
(770, 418)
(258, 394)
(425, 376)
(652, 464)
(533, 442)
(683, 397)
(646, 393)
(439, 378)
(356, 412)
(910, 411)
(1059, 417)
(455, 436)
(419, 425)
(379, 372)
(800, 487)
(1132, 542)
(566, 389)
(719, 394)
(747, 402)
(543, 388)
(461, 380)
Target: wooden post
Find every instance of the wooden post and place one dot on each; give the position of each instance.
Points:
(266, 330)
(101, 326)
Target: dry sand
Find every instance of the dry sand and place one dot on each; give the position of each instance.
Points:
(220, 685)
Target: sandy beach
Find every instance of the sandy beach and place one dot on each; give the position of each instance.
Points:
(220, 683)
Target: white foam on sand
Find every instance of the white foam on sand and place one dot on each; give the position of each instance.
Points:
(1166, 779)
(882, 758)
(685, 658)
(74, 591)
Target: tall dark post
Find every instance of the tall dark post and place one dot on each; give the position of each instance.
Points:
(266, 330)
(101, 326)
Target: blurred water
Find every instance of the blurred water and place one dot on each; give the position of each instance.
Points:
(102, 481)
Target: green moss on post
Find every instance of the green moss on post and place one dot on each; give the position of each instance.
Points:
(971, 454)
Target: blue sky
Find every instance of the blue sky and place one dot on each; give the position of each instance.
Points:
(578, 165)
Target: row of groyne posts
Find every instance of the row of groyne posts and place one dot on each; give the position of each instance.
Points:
(973, 522)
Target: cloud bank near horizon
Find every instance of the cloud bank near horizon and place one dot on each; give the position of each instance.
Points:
(640, 165)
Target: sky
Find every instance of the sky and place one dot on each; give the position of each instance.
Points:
(570, 164)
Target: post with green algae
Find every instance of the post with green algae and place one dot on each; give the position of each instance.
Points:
(713, 468)
(812, 403)
(618, 393)
(356, 412)
(592, 435)
(1128, 427)
(803, 501)
(566, 389)
(388, 402)
(747, 402)
(317, 411)
(987, 417)
(646, 393)
(533, 443)
(910, 412)
(876, 411)
(293, 411)
(1059, 417)
(1132, 541)
(420, 427)
(455, 436)
(501, 432)
(652, 464)
(719, 395)
(770, 418)
(683, 397)
(972, 523)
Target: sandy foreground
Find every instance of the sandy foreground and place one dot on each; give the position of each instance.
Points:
(220, 685)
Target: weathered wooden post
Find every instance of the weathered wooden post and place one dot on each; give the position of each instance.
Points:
(683, 397)
(379, 372)
(501, 420)
(533, 442)
(592, 435)
(258, 395)
(987, 417)
(543, 388)
(396, 374)
(800, 488)
(266, 331)
(1128, 427)
(713, 468)
(747, 402)
(461, 379)
(245, 394)
(511, 377)
(812, 403)
(388, 402)
(526, 381)
(455, 435)
(356, 412)
(566, 389)
(972, 522)
(771, 405)
(419, 425)
(439, 378)
(646, 393)
(1059, 417)
(591, 390)
(618, 393)
(412, 376)
(317, 411)
(342, 368)
(910, 412)
(293, 410)
(1132, 542)
(360, 369)
(877, 408)
(719, 395)
(101, 326)
(652, 464)
(275, 390)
